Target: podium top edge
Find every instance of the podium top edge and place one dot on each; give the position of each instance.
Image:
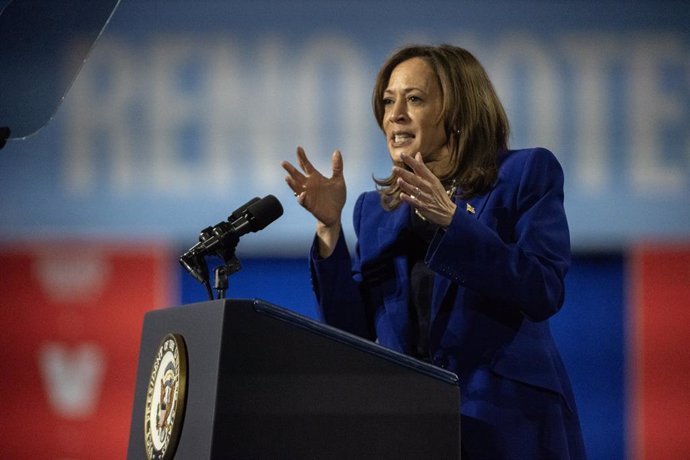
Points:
(264, 307)
(314, 326)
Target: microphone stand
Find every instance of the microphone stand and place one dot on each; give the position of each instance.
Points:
(231, 264)
(195, 263)
(222, 273)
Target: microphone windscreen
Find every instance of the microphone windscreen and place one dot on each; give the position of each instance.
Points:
(237, 213)
(263, 212)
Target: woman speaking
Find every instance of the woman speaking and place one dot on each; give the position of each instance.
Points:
(461, 253)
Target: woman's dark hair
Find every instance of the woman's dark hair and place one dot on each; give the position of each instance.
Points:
(474, 119)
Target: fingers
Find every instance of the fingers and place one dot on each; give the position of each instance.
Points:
(409, 178)
(296, 187)
(410, 183)
(410, 189)
(419, 176)
(304, 162)
(291, 170)
(295, 179)
(337, 164)
(417, 165)
(422, 190)
(309, 178)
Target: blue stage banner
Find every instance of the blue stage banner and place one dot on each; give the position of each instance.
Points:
(184, 110)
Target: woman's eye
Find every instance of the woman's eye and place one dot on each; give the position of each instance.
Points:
(387, 101)
(414, 99)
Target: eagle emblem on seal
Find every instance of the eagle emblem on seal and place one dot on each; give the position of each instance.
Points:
(165, 398)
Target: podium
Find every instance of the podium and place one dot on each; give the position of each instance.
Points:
(263, 382)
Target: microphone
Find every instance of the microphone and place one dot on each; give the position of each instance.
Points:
(221, 239)
(254, 215)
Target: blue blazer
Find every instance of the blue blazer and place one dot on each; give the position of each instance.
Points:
(499, 275)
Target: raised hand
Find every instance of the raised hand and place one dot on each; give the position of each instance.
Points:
(422, 190)
(323, 197)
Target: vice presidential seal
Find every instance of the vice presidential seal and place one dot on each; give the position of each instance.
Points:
(165, 398)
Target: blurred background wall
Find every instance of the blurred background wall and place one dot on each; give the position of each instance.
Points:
(184, 110)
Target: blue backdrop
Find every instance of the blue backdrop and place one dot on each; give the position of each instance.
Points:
(185, 109)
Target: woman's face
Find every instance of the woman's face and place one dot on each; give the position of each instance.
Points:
(412, 114)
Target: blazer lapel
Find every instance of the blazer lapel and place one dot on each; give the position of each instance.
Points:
(393, 225)
(396, 302)
(473, 207)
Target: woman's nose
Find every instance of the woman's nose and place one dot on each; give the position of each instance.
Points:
(398, 112)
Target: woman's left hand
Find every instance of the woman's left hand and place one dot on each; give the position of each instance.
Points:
(422, 190)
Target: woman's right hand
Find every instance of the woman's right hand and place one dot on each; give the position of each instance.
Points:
(323, 197)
